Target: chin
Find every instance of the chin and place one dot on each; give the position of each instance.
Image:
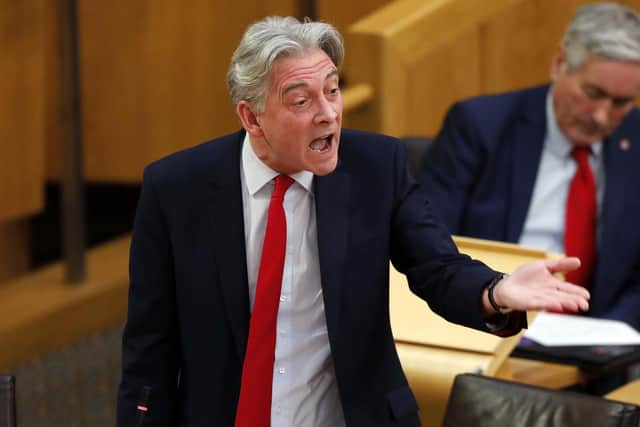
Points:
(325, 168)
(581, 138)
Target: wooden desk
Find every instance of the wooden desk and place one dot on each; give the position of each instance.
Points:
(627, 393)
(542, 374)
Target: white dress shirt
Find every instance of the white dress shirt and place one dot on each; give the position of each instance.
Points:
(304, 389)
(544, 225)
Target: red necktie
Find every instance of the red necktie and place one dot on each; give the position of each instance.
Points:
(254, 406)
(580, 226)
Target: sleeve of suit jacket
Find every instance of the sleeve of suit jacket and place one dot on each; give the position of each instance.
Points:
(150, 345)
(422, 248)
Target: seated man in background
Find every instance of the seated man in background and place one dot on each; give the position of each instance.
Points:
(554, 167)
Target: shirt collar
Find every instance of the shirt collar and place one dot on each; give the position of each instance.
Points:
(257, 174)
(557, 143)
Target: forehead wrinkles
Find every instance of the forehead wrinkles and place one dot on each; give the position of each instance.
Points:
(297, 71)
(617, 79)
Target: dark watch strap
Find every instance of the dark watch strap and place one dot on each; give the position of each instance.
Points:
(490, 288)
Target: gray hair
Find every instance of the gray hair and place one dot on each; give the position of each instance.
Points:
(266, 41)
(602, 30)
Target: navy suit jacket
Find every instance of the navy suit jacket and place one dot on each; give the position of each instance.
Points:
(480, 173)
(188, 317)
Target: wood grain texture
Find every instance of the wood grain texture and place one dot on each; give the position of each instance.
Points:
(22, 133)
(418, 56)
(342, 14)
(153, 78)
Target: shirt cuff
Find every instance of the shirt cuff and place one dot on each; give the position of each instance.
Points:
(505, 325)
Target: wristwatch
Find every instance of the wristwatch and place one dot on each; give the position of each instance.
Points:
(490, 288)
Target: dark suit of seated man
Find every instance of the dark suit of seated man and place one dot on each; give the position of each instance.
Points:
(501, 166)
(260, 260)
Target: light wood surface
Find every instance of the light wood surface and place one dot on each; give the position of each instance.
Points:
(413, 321)
(542, 374)
(40, 312)
(356, 96)
(432, 350)
(341, 13)
(627, 393)
(431, 371)
(412, 55)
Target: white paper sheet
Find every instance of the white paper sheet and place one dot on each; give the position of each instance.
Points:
(552, 329)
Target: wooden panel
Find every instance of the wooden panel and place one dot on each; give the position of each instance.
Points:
(153, 72)
(14, 249)
(342, 13)
(53, 112)
(513, 52)
(363, 65)
(416, 61)
(454, 74)
(22, 71)
(627, 393)
(519, 42)
(153, 78)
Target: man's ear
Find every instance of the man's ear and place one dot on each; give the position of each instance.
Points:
(558, 63)
(249, 119)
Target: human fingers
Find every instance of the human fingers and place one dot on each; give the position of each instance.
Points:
(572, 297)
(562, 265)
(575, 305)
(543, 301)
(573, 289)
(555, 296)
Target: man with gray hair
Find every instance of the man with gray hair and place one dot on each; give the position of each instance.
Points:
(260, 260)
(553, 167)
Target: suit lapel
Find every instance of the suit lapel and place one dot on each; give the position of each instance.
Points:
(619, 170)
(226, 214)
(619, 164)
(332, 211)
(528, 140)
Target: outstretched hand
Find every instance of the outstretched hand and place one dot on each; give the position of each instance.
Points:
(533, 287)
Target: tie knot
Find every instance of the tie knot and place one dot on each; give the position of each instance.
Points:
(283, 182)
(581, 154)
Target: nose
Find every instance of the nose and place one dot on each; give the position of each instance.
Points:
(327, 111)
(602, 112)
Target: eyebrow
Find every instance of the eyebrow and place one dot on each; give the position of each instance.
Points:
(296, 85)
(604, 93)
